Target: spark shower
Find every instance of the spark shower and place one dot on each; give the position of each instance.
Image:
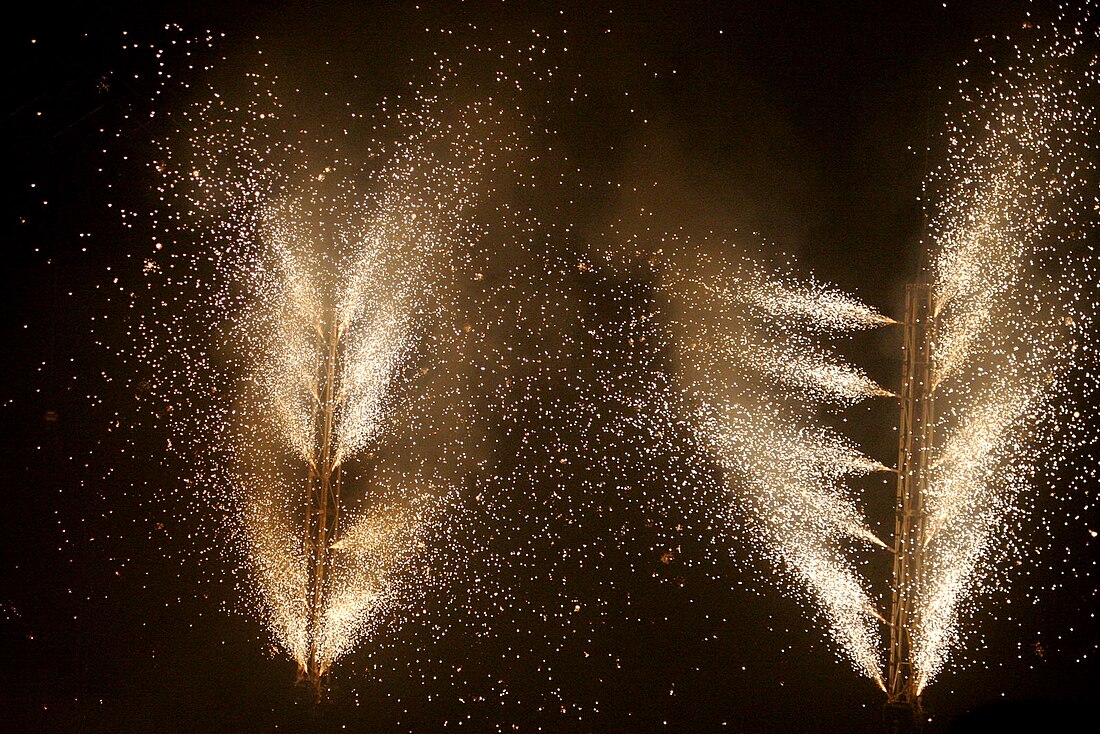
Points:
(327, 282)
(997, 341)
(321, 305)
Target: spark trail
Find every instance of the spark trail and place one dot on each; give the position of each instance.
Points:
(753, 363)
(788, 469)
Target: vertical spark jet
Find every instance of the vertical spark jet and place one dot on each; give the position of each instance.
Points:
(989, 345)
(306, 274)
(322, 500)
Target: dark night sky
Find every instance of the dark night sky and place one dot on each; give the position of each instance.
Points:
(791, 119)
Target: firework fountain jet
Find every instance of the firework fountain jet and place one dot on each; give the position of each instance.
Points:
(751, 366)
(321, 286)
(989, 337)
(329, 360)
(322, 495)
(990, 361)
(335, 343)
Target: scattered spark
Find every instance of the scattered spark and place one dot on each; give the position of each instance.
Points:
(284, 255)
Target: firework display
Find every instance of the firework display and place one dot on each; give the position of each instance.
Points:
(1013, 304)
(431, 384)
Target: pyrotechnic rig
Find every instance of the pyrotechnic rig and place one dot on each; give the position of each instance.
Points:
(322, 501)
(911, 534)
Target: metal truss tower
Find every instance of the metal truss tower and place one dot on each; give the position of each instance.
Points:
(322, 502)
(915, 443)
